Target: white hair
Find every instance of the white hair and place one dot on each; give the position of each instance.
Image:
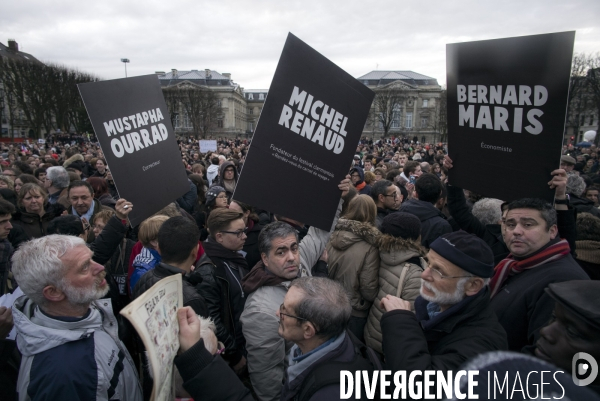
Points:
(488, 210)
(36, 264)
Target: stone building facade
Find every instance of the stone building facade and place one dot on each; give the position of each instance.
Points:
(416, 114)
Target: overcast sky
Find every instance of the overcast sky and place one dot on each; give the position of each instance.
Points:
(245, 37)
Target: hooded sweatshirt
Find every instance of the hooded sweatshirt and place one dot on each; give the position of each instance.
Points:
(211, 173)
(433, 222)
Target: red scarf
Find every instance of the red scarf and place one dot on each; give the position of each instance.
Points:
(361, 186)
(509, 266)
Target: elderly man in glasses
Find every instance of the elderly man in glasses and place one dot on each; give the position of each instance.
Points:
(222, 268)
(452, 321)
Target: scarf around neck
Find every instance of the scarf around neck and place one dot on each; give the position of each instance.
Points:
(217, 252)
(510, 266)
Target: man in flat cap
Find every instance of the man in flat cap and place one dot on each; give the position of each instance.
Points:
(452, 321)
(567, 163)
(574, 328)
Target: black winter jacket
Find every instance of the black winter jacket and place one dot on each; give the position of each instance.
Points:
(191, 297)
(416, 342)
(522, 305)
(208, 377)
(214, 285)
(433, 222)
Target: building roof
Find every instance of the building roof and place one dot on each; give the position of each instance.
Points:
(191, 75)
(394, 75)
(6, 52)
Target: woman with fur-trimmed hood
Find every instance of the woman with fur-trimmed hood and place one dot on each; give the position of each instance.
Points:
(400, 269)
(353, 258)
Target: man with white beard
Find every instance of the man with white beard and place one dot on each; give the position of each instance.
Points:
(452, 321)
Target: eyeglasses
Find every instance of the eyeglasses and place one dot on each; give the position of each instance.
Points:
(285, 314)
(355, 175)
(394, 195)
(239, 233)
(439, 273)
(222, 197)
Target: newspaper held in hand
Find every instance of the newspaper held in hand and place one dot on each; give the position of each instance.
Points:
(154, 316)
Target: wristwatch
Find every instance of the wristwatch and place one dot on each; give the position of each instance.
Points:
(562, 201)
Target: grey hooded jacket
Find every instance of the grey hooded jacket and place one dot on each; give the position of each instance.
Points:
(73, 360)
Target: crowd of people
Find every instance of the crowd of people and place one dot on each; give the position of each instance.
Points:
(415, 274)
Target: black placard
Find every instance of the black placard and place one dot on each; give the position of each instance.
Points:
(301, 150)
(507, 150)
(131, 122)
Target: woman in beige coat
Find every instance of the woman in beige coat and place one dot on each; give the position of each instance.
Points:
(353, 258)
(400, 269)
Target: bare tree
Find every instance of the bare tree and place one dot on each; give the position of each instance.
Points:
(388, 105)
(593, 86)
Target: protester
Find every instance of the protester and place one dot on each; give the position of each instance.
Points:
(453, 320)
(101, 194)
(83, 204)
(538, 257)
(6, 248)
(401, 264)
(358, 180)
(588, 244)
(253, 228)
(574, 325)
(178, 247)
(56, 183)
(428, 189)
(149, 256)
(35, 211)
(213, 170)
(314, 315)
(227, 179)
(385, 195)
(221, 270)
(353, 258)
(63, 328)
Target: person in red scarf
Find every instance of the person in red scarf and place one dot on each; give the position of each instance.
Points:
(538, 257)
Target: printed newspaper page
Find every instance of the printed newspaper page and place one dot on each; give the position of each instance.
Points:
(154, 317)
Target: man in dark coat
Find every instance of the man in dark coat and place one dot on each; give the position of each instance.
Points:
(433, 222)
(178, 246)
(385, 194)
(314, 316)
(453, 321)
(538, 257)
(221, 269)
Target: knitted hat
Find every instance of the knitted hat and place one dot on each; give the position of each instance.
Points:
(466, 251)
(402, 225)
(212, 194)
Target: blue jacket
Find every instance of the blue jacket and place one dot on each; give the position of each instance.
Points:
(145, 261)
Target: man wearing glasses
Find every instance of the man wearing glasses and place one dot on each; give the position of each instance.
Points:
(222, 268)
(385, 194)
(452, 321)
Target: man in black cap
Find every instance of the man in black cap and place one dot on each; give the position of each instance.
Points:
(452, 321)
(574, 327)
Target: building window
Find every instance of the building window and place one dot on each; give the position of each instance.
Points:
(251, 127)
(219, 103)
(592, 119)
(250, 96)
(582, 120)
(396, 113)
(220, 123)
(261, 96)
(250, 110)
(425, 103)
(424, 122)
(409, 120)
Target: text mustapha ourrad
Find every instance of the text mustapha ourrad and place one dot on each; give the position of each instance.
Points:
(128, 116)
(314, 120)
(136, 132)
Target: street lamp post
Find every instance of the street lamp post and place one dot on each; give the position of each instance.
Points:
(125, 61)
